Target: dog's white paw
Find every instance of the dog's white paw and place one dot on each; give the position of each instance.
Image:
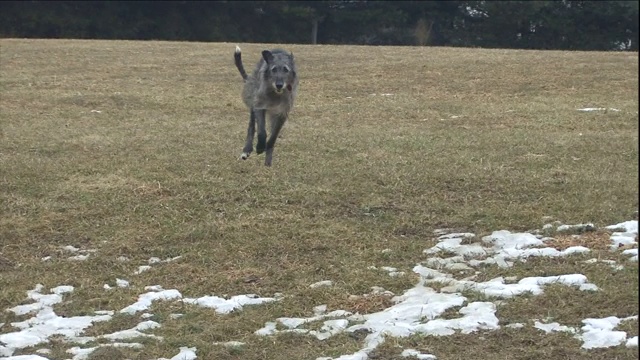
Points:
(244, 156)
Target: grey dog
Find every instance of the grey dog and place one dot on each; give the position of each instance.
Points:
(268, 92)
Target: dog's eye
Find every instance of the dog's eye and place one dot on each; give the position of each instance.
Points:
(285, 69)
(274, 69)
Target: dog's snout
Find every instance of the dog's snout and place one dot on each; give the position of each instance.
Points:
(279, 85)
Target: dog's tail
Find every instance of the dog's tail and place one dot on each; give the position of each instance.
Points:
(237, 56)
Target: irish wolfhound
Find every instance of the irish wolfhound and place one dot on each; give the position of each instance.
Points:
(268, 92)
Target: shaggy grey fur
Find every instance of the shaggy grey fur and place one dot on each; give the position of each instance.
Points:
(268, 92)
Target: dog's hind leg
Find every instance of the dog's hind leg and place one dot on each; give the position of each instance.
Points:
(277, 122)
(251, 130)
(262, 131)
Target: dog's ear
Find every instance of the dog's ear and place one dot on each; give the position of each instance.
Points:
(267, 56)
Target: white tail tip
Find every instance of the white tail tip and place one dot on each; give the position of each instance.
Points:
(238, 51)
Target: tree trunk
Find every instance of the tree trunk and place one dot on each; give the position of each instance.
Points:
(314, 30)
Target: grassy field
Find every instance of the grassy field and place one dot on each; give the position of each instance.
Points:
(131, 149)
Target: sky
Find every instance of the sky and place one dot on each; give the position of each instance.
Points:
(417, 310)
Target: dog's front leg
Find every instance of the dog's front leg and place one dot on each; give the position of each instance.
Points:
(248, 144)
(262, 131)
(277, 122)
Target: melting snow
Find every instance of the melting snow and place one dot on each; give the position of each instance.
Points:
(393, 272)
(599, 333)
(553, 327)
(627, 235)
(611, 263)
(45, 323)
(417, 354)
(230, 344)
(596, 333)
(321, 283)
(628, 226)
(598, 109)
(417, 311)
(576, 227)
(185, 353)
(141, 269)
(83, 353)
(135, 332)
(633, 253)
(224, 306)
(82, 256)
(145, 300)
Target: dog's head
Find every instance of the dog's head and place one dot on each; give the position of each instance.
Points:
(280, 71)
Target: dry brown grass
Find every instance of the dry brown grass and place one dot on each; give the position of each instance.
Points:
(130, 149)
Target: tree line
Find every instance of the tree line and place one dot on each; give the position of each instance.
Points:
(558, 25)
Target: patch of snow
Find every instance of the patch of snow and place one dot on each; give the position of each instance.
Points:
(25, 357)
(554, 327)
(134, 332)
(393, 272)
(504, 239)
(418, 310)
(230, 344)
(45, 323)
(417, 354)
(611, 263)
(414, 312)
(497, 288)
(589, 287)
(320, 309)
(627, 226)
(619, 239)
(599, 333)
(598, 109)
(576, 227)
(224, 306)
(628, 235)
(321, 283)
(633, 253)
(145, 300)
(186, 353)
(83, 353)
(142, 269)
